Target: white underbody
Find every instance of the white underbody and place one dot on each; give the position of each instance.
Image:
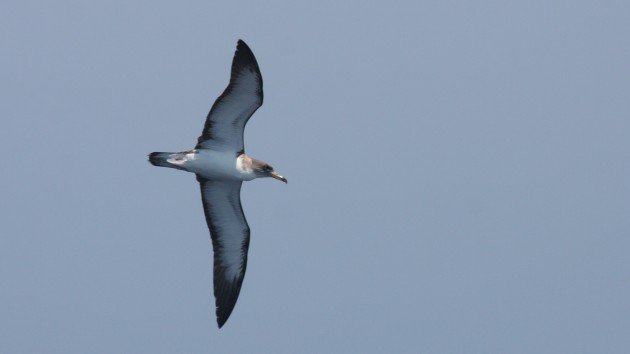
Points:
(215, 165)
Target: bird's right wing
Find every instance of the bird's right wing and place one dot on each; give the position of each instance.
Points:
(226, 121)
(230, 240)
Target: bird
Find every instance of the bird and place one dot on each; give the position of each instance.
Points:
(221, 166)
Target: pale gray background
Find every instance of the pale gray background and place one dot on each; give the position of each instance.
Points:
(459, 177)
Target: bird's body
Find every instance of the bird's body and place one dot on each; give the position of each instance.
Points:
(214, 165)
(221, 165)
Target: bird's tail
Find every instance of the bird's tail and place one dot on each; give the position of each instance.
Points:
(161, 159)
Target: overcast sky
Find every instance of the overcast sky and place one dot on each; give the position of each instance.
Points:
(459, 177)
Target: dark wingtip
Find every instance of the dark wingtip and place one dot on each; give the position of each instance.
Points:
(225, 306)
(223, 315)
(226, 295)
(244, 49)
(244, 57)
(221, 321)
(241, 43)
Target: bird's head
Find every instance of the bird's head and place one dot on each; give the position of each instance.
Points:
(264, 169)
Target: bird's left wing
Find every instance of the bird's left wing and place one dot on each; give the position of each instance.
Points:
(230, 240)
(226, 121)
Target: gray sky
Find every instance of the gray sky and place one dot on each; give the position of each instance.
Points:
(459, 177)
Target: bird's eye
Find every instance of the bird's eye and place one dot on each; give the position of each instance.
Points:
(268, 168)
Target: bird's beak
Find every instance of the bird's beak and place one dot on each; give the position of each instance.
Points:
(278, 177)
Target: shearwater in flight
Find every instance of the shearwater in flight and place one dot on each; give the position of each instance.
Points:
(221, 166)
